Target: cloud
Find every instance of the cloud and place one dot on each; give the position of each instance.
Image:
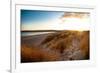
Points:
(75, 14)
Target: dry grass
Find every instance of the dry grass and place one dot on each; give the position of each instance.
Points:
(65, 45)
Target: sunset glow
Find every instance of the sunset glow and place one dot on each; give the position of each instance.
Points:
(46, 20)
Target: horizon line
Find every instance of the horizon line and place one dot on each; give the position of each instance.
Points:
(41, 30)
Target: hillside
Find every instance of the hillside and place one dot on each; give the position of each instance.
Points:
(58, 46)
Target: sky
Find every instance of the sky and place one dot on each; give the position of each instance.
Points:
(51, 20)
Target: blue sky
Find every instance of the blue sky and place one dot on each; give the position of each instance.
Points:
(52, 20)
(36, 17)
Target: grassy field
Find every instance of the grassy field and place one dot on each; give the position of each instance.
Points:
(57, 46)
